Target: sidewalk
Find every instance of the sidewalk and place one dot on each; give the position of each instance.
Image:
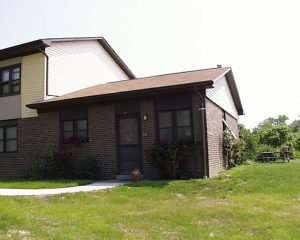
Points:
(52, 191)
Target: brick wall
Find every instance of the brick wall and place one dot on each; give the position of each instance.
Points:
(41, 135)
(36, 136)
(193, 163)
(148, 136)
(214, 138)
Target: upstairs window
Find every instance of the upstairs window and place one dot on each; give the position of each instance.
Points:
(175, 125)
(10, 80)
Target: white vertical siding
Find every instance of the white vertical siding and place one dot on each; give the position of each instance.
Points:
(221, 95)
(80, 64)
(10, 107)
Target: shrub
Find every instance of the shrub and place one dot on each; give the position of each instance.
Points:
(59, 164)
(168, 158)
(233, 149)
(86, 167)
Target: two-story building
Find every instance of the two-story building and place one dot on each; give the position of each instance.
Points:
(54, 89)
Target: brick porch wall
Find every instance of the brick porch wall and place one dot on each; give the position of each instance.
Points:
(193, 163)
(214, 138)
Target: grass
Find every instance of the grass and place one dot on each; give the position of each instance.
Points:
(261, 201)
(36, 184)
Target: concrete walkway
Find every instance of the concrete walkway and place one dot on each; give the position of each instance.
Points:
(52, 191)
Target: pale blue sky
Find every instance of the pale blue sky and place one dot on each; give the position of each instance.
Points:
(260, 40)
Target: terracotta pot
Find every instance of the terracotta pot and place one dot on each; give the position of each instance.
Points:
(135, 175)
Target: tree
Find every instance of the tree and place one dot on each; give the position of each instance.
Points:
(275, 136)
(295, 126)
(270, 122)
(251, 141)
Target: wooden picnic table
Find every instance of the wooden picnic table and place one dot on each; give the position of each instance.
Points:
(268, 156)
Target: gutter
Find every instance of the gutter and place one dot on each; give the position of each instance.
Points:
(202, 110)
(47, 72)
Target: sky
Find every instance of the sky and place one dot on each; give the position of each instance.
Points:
(260, 40)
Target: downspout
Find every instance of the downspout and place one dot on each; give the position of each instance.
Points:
(47, 72)
(202, 110)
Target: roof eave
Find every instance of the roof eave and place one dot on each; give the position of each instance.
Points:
(234, 92)
(116, 58)
(22, 49)
(116, 96)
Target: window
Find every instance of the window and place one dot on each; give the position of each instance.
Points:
(75, 131)
(8, 139)
(175, 125)
(10, 79)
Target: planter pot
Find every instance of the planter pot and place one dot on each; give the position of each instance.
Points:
(135, 175)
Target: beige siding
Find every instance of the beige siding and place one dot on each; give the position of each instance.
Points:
(80, 64)
(214, 138)
(10, 62)
(32, 82)
(10, 107)
(221, 95)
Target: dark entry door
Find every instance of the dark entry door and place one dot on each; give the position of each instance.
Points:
(129, 146)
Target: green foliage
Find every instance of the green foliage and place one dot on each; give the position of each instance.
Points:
(62, 164)
(251, 141)
(269, 122)
(86, 167)
(295, 126)
(168, 158)
(274, 136)
(233, 149)
(297, 142)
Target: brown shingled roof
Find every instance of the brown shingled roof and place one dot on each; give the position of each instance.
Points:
(181, 79)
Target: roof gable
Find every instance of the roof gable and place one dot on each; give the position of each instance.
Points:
(38, 45)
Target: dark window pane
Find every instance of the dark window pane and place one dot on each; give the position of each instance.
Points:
(82, 134)
(165, 119)
(15, 88)
(5, 75)
(1, 146)
(129, 131)
(166, 134)
(16, 73)
(11, 146)
(183, 118)
(68, 125)
(1, 133)
(184, 133)
(81, 124)
(11, 132)
(68, 134)
(5, 88)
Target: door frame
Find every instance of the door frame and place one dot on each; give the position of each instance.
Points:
(125, 116)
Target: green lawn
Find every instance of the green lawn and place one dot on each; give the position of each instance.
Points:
(35, 184)
(261, 201)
